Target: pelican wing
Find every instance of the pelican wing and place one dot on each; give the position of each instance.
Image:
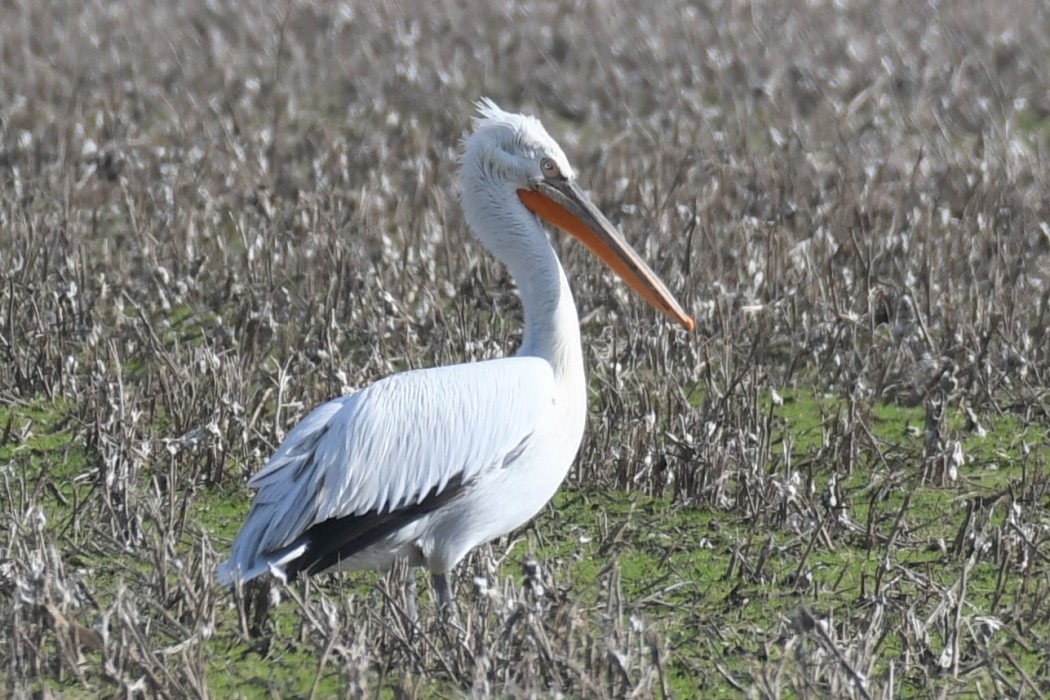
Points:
(396, 447)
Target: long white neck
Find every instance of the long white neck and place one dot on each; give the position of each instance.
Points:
(512, 234)
(552, 328)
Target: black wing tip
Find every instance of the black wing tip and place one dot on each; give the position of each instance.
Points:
(334, 540)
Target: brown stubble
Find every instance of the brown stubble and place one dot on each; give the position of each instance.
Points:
(214, 216)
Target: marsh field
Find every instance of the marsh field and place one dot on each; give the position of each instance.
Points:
(215, 215)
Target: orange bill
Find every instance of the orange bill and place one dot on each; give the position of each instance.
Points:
(561, 203)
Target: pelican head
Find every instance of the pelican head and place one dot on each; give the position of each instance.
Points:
(514, 173)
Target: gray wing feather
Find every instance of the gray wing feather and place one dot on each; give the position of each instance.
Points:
(390, 445)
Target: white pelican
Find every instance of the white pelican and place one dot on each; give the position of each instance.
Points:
(428, 464)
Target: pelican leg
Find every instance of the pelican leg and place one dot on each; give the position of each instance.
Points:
(446, 602)
(257, 606)
(410, 599)
(442, 589)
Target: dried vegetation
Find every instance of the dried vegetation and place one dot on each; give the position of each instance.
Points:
(216, 214)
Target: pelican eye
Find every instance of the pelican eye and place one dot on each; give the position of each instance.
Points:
(549, 168)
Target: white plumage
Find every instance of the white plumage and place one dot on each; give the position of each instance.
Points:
(428, 464)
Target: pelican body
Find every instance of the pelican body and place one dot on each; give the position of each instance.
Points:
(428, 464)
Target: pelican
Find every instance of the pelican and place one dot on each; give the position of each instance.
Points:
(428, 464)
